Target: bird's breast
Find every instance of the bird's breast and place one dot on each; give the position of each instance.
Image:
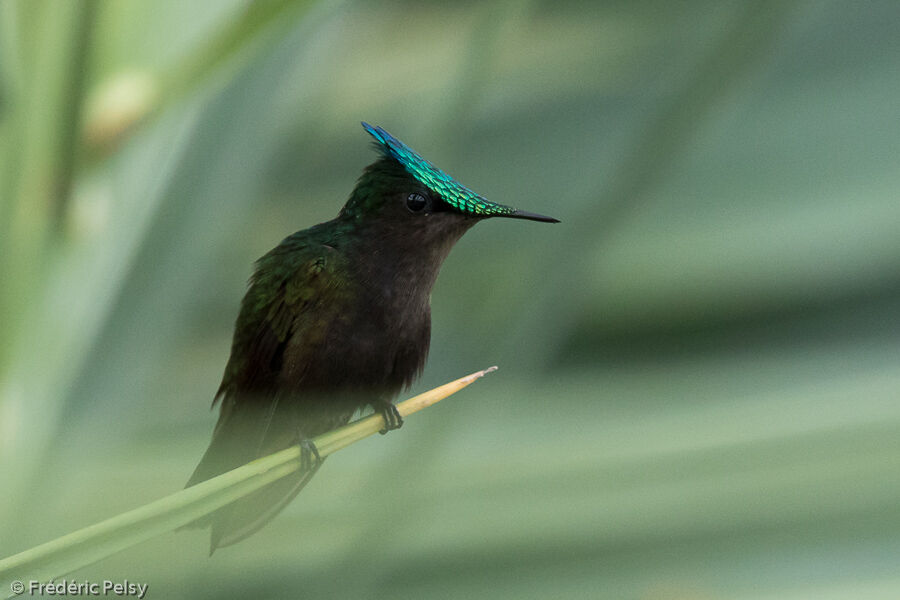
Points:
(368, 350)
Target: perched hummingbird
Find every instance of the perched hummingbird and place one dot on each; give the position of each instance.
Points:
(337, 317)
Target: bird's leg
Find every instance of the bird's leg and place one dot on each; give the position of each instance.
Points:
(309, 456)
(392, 418)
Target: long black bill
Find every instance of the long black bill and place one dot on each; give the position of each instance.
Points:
(524, 214)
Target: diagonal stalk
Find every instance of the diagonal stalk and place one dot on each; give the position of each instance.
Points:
(85, 546)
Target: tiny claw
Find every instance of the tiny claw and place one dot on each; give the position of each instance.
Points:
(309, 455)
(392, 418)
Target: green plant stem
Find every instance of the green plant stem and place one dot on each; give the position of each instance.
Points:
(88, 545)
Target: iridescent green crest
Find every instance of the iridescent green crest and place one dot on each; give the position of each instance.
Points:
(451, 191)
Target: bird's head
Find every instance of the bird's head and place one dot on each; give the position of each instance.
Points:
(404, 186)
(408, 212)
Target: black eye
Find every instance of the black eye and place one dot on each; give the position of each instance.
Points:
(416, 202)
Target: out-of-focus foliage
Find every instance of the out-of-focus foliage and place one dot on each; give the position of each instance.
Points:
(700, 367)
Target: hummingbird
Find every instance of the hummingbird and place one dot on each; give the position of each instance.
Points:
(336, 319)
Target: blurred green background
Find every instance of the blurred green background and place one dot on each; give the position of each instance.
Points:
(700, 367)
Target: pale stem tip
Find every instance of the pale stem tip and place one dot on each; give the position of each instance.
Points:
(480, 374)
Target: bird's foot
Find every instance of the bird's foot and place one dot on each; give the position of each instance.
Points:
(392, 418)
(309, 455)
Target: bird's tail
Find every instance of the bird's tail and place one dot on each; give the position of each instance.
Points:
(242, 435)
